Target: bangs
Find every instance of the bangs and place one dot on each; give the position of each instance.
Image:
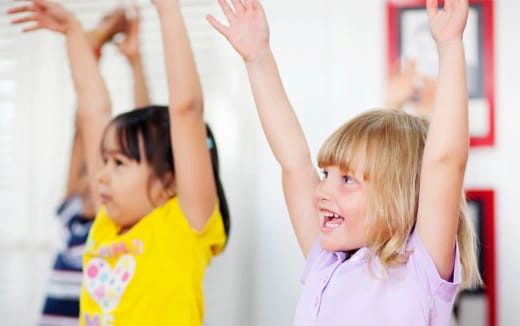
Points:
(143, 135)
(342, 147)
(127, 136)
(383, 137)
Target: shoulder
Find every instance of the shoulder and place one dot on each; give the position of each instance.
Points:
(422, 263)
(213, 235)
(314, 258)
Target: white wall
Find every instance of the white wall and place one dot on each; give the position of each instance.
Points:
(503, 165)
(332, 59)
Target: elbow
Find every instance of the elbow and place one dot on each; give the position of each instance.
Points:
(454, 160)
(189, 104)
(295, 163)
(92, 110)
(445, 153)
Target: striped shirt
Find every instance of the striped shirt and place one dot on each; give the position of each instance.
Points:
(61, 306)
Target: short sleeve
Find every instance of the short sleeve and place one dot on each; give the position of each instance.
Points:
(445, 290)
(213, 237)
(311, 259)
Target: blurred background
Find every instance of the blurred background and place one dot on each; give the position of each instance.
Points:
(333, 59)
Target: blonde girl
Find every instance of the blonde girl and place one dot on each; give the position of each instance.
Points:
(383, 231)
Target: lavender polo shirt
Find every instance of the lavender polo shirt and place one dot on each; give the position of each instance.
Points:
(339, 290)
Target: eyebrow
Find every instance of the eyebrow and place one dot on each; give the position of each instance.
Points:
(112, 151)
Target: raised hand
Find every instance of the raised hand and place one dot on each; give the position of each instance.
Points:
(129, 47)
(448, 24)
(426, 98)
(401, 85)
(46, 15)
(112, 23)
(248, 31)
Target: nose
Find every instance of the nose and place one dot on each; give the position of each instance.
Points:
(323, 190)
(103, 175)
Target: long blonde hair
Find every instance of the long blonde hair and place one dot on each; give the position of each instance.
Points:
(393, 143)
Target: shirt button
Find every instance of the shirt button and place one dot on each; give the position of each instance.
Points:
(324, 282)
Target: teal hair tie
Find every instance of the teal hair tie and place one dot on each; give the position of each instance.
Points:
(210, 143)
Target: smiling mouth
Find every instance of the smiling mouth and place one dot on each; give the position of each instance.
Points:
(331, 220)
(104, 199)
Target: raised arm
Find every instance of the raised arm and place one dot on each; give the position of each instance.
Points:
(248, 33)
(129, 47)
(194, 178)
(92, 96)
(446, 150)
(76, 164)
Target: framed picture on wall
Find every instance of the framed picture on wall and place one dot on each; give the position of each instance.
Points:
(409, 39)
(477, 307)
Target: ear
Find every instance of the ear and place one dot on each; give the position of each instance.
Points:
(169, 185)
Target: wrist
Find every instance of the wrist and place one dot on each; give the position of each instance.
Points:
(449, 45)
(72, 24)
(260, 58)
(98, 37)
(134, 59)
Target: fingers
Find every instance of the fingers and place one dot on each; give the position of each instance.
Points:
(428, 82)
(17, 10)
(256, 4)
(432, 7)
(411, 66)
(239, 6)
(222, 29)
(25, 19)
(32, 28)
(226, 9)
(248, 4)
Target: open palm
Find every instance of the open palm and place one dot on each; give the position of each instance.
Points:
(46, 15)
(248, 31)
(448, 24)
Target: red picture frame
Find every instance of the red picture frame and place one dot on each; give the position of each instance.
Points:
(483, 201)
(482, 94)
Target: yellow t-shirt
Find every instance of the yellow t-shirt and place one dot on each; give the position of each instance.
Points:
(151, 275)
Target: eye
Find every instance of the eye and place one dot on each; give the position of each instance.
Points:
(324, 174)
(348, 179)
(118, 162)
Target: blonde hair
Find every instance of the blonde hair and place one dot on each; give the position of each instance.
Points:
(393, 143)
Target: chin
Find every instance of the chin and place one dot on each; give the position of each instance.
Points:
(113, 217)
(332, 243)
(111, 214)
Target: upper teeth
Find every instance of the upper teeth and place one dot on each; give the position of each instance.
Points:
(330, 214)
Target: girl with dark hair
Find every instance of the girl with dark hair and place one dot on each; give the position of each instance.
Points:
(160, 220)
(76, 213)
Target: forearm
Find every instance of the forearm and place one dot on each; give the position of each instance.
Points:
(76, 165)
(93, 112)
(448, 137)
(141, 93)
(89, 86)
(185, 91)
(278, 119)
